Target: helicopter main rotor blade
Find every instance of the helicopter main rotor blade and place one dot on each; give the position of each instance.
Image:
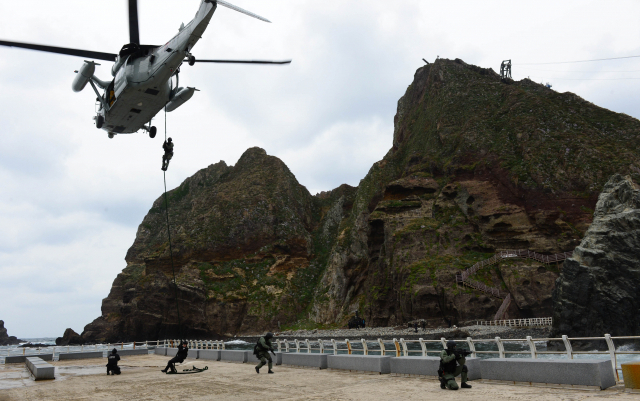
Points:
(62, 50)
(241, 10)
(134, 29)
(242, 61)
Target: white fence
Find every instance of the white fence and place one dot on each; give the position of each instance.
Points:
(401, 347)
(532, 322)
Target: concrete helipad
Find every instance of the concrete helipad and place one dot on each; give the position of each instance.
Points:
(141, 379)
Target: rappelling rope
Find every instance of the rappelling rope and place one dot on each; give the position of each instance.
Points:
(166, 208)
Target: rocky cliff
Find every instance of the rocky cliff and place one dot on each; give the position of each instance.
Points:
(249, 245)
(5, 339)
(477, 164)
(597, 292)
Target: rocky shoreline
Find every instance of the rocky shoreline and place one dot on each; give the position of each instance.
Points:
(475, 332)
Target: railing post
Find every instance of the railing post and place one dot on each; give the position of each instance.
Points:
(297, 345)
(397, 344)
(423, 345)
(382, 350)
(279, 345)
(472, 347)
(405, 350)
(286, 345)
(308, 346)
(224, 346)
(444, 342)
(335, 347)
(365, 349)
(532, 347)
(612, 354)
(567, 346)
(348, 345)
(321, 345)
(500, 347)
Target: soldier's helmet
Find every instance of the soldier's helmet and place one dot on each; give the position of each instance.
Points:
(268, 335)
(169, 139)
(451, 344)
(114, 351)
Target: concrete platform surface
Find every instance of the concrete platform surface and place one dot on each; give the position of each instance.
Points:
(23, 358)
(277, 360)
(80, 355)
(318, 361)
(234, 356)
(366, 363)
(428, 366)
(141, 380)
(577, 372)
(40, 369)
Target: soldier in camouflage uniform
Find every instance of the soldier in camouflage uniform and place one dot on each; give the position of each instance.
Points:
(452, 364)
(262, 350)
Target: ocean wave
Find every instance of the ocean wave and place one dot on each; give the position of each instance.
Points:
(236, 342)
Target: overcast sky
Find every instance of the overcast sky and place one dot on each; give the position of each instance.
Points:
(71, 199)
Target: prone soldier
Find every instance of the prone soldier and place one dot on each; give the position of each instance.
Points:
(452, 364)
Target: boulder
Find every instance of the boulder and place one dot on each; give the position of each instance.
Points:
(69, 337)
(5, 339)
(597, 291)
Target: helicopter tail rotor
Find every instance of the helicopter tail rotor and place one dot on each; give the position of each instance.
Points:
(238, 9)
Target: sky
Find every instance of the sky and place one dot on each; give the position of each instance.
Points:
(71, 199)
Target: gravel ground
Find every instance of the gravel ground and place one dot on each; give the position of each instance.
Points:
(476, 332)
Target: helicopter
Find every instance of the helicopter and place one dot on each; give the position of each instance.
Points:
(142, 83)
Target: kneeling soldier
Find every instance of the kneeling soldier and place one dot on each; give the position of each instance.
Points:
(452, 364)
(262, 350)
(112, 363)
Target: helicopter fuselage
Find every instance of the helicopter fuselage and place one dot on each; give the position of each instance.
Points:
(142, 84)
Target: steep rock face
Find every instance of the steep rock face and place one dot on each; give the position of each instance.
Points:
(5, 339)
(477, 165)
(597, 292)
(248, 248)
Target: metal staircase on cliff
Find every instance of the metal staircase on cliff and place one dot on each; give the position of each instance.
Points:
(463, 278)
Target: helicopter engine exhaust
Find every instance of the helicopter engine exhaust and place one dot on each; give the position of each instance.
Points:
(180, 98)
(84, 76)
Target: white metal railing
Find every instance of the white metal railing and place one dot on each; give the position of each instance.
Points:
(531, 322)
(58, 349)
(401, 347)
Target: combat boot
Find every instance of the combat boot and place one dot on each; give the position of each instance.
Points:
(271, 371)
(465, 385)
(443, 384)
(257, 370)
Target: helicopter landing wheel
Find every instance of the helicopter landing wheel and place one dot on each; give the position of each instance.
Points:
(192, 60)
(152, 132)
(99, 122)
(111, 135)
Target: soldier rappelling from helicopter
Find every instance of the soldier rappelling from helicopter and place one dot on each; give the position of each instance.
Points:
(168, 153)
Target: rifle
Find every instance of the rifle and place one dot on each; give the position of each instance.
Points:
(461, 353)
